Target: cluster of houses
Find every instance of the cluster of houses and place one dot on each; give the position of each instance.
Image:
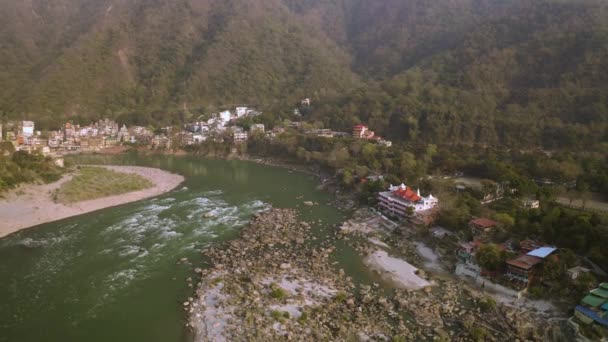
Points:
(219, 124)
(72, 137)
(108, 133)
(328, 133)
(21, 133)
(523, 270)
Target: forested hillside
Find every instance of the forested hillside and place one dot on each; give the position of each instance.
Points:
(516, 73)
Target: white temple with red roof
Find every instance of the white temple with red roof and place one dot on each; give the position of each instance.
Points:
(397, 199)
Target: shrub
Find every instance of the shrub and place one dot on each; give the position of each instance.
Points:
(487, 304)
(478, 333)
(277, 315)
(340, 297)
(277, 292)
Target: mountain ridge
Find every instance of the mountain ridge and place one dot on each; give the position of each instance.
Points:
(500, 63)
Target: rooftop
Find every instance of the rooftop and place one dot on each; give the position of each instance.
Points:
(407, 194)
(578, 269)
(483, 222)
(593, 301)
(600, 293)
(525, 262)
(542, 252)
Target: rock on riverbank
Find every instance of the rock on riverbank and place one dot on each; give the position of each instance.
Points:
(274, 283)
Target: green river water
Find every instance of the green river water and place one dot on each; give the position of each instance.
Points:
(112, 275)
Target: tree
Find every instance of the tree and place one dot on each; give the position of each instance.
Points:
(489, 257)
(505, 220)
(554, 269)
(347, 177)
(338, 157)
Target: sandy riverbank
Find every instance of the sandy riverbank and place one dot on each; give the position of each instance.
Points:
(31, 205)
(400, 272)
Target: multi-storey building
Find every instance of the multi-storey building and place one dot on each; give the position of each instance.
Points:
(398, 199)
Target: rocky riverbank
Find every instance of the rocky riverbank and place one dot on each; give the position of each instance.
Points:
(277, 282)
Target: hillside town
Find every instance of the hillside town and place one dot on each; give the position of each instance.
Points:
(105, 134)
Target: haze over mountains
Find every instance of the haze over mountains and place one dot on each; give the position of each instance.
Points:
(484, 71)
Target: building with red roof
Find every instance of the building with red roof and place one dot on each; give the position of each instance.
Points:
(525, 267)
(482, 225)
(398, 199)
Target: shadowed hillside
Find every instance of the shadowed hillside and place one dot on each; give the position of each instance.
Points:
(460, 71)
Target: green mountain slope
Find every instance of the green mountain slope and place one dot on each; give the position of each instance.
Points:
(156, 55)
(518, 73)
(514, 72)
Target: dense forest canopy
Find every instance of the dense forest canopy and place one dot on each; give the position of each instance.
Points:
(513, 73)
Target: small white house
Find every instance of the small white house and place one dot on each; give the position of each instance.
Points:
(240, 137)
(531, 203)
(27, 128)
(225, 116)
(241, 111)
(257, 128)
(575, 272)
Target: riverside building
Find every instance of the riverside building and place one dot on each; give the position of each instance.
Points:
(398, 199)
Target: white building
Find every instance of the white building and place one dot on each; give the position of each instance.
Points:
(198, 138)
(241, 111)
(397, 199)
(28, 128)
(531, 203)
(225, 116)
(257, 128)
(575, 272)
(240, 137)
(385, 143)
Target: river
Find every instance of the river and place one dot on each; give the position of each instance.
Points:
(113, 275)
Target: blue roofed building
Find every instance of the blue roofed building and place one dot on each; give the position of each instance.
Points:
(525, 268)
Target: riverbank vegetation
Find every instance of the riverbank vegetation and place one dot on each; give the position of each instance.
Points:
(22, 167)
(97, 182)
